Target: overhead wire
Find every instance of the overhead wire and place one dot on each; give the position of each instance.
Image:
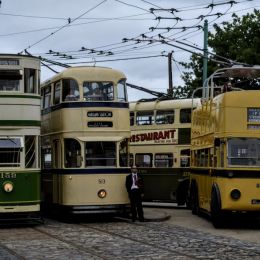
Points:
(62, 27)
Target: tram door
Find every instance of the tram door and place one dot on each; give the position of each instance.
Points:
(56, 165)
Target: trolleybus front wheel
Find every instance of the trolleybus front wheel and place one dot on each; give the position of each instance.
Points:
(215, 209)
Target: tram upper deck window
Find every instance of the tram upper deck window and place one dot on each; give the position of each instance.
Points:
(57, 93)
(121, 91)
(10, 150)
(10, 80)
(100, 154)
(185, 115)
(164, 117)
(30, 81)
(144, 118)
(70, 90)
(98, 91)
(244, 152)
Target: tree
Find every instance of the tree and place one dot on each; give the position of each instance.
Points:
(238, 41)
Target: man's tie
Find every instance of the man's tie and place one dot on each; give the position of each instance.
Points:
(135, 180)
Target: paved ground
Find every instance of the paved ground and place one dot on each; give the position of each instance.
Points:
(240, 229)
(179, 236)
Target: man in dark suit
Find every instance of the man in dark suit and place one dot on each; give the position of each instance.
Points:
(135, 186)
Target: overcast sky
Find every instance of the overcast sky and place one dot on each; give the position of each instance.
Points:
(65, 26)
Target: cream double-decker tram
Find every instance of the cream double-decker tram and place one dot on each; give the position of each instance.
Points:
(85, 135)
(225, 145)
(19, 137)
(160, 147)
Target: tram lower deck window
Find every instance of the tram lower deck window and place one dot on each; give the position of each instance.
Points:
(10, 151)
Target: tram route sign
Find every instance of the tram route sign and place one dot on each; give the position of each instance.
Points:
(100, 114)
(100, 124)
(10, 62)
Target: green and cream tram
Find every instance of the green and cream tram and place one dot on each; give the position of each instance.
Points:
(160, 147)
(19, 137)
(85, 136)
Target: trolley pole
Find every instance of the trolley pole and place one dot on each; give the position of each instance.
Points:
(205, 57)
(170, 89)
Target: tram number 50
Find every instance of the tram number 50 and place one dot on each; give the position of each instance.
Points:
(101, 181)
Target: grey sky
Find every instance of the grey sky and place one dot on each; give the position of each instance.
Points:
(107, 24)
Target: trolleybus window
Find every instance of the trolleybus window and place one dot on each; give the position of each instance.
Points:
(57, 93)
(98, 91)
(244, 151)
(163, 160)
(10, 80)
(144, 118)
(30, 81)
(121, 91)
(10, 149)
(30, 151)
(70, 90)
(185, 115)
(143, 160)
(72, 153)
(164, 117)
(100, 154)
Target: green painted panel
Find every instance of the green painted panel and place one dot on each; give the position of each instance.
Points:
(26, 187)
(19, 96)
(20, 123)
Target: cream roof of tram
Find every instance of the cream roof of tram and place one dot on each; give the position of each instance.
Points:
(88, 73)
(164, 104)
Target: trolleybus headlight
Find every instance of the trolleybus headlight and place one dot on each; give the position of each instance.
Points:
(102, 194)
(8, 187)
(235, 194)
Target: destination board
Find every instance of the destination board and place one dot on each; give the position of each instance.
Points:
(100, 114)
(253, 115)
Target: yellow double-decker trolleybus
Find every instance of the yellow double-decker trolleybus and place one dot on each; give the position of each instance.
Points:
(160, 147)
(85, 135)
(225, 145)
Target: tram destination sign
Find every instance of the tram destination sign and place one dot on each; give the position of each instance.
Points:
(100, 124)
(100, 114)
(10, 62)
(253, 115)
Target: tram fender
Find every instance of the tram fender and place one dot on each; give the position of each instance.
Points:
(182, 191)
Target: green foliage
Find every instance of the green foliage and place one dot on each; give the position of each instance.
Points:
(238, 40)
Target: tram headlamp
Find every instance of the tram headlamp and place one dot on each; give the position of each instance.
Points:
(102, 194)
(235, 194)
(8, 186)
